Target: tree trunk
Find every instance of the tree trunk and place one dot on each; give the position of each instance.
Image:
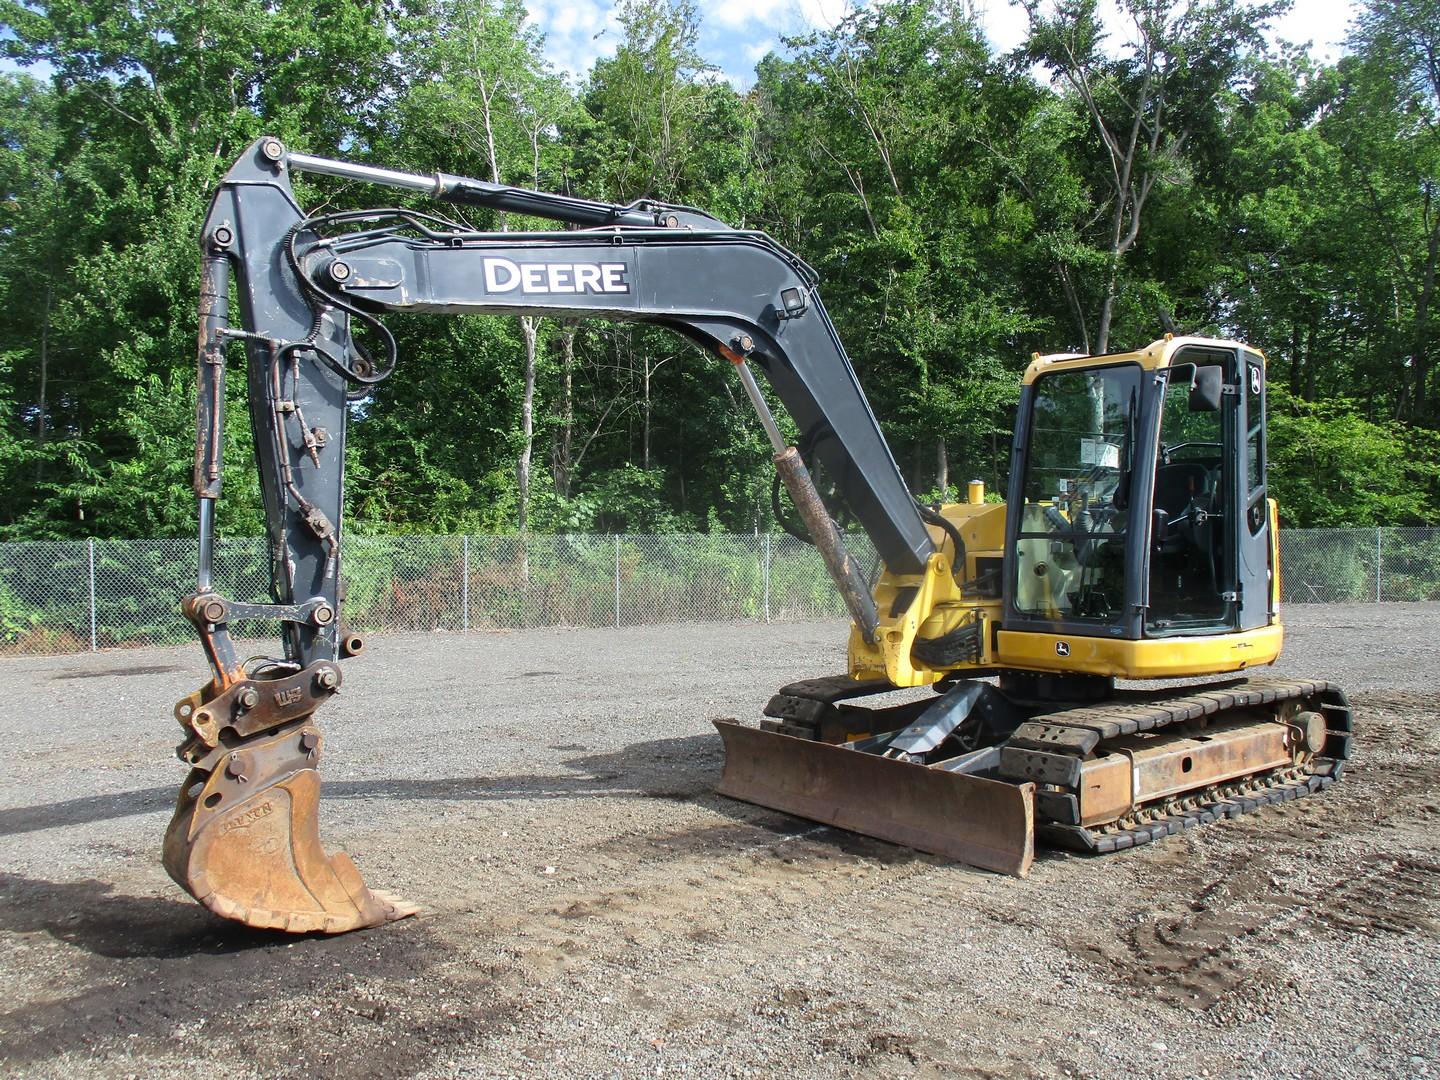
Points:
(529, 327)
(1308, 392)
(942, 468)
(40, 398)
(1296, 357)
(565, 436)
(1107, 307)
(647, 370)
(1422, 325)
(1077, 310)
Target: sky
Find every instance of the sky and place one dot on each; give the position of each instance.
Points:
(735, 34)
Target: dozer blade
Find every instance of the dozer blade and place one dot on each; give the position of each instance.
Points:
(245, 842)
(986, 823)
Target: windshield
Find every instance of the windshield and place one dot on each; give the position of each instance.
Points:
(1071, 556)
(1081, 431)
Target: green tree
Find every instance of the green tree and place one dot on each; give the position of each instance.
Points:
(1145, 103)
(1331, 467)
(146, 107)
(1269, 246)
(869, 135)
(1387, 126)
(647, 101)
(660, 124)
(484, 100)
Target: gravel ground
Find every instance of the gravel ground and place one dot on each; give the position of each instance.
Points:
(591, 908)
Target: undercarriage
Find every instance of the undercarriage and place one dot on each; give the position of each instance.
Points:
(982, 771)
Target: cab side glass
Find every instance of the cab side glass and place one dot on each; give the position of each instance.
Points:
(1187, 543)
(1256, 510)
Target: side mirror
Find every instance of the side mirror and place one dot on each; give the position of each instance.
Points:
(1207, 389)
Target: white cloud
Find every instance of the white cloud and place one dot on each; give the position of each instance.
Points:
(756, 50)
(565, 22)
(1323, 23)
(577, 33)
(823, 13)
(1004, 23)
(736, 13)
(776, 19)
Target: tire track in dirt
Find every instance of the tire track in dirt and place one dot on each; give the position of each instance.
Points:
(1197, 957)
(1199, 949)
(701, 898)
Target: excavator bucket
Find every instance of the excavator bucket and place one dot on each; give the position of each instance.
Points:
(245, 842)
(958, 815)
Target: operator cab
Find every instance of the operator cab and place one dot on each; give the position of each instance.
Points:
(1139, 481)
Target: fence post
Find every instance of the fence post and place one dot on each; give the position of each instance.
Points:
(1377, 564)
(465, 582)
(617, 581)
(766, 576)
(93, 645)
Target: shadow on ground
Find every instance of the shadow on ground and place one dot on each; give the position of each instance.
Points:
(91, 916)
(681, 768)
(151, 970)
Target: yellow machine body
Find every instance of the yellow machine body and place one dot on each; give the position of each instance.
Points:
(1050, 749)
(939, 605)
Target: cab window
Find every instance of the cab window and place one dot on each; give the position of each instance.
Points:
(1070, 556)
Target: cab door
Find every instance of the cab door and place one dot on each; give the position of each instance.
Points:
(1252, 529)
(1192, 553)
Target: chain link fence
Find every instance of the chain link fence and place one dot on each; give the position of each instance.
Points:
(73, 596)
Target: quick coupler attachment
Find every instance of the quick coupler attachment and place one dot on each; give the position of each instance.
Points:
(245, 838)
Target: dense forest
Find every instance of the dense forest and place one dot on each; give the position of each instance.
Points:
(964, 208)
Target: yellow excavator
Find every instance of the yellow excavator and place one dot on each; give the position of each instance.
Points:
(1137, 543)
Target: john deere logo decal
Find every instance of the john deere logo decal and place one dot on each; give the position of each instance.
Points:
(539, 279)
(1062, 648)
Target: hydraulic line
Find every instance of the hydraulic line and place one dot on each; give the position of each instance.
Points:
(934, 517)
(210, 398)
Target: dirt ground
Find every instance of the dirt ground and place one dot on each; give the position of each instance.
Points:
(592, 908)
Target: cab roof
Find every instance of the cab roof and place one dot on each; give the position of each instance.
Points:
(1158, 354)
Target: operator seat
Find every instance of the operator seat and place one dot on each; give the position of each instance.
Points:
(1177, 485)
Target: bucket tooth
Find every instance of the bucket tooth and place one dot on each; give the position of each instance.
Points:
(245, 842)
(986, 823)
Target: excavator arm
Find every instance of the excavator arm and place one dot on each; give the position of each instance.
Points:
(310, 292)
